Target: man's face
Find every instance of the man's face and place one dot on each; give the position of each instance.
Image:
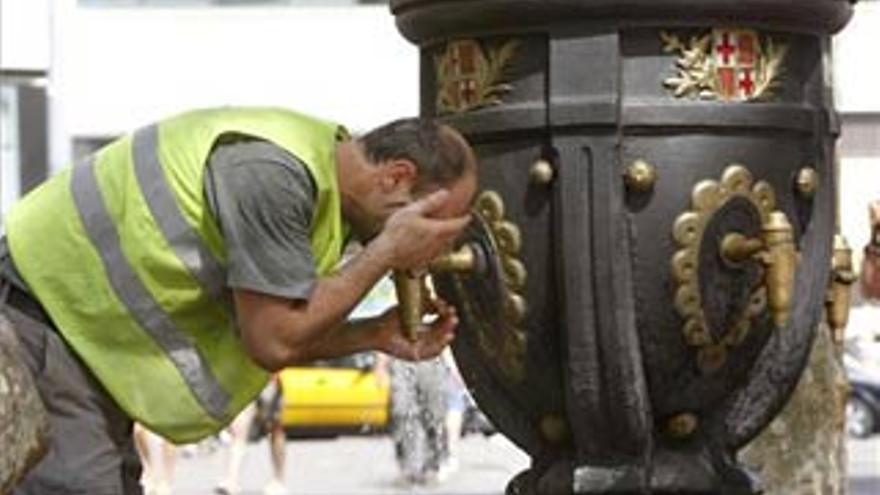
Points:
(461, 196)
(386, 199)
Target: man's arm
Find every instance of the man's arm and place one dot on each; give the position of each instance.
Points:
(279, 332)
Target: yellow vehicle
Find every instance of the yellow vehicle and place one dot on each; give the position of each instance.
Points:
(340, 395)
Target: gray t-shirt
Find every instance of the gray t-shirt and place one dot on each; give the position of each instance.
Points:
(263, 199)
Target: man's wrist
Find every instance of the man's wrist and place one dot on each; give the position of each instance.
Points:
(379, 254)
(370, 332)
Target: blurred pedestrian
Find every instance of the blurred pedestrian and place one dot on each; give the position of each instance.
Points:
(864, 316)
(158, 474)
(458, 400)
(870, 273)
(263, 414)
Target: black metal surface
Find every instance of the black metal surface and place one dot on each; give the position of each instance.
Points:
(725, 286)
(605, 347)
(512, 406)
(425, 20)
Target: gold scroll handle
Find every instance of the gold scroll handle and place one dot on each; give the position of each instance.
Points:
(412, 292)
(776, 250)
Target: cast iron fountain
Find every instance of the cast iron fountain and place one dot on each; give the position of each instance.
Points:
(652, 248)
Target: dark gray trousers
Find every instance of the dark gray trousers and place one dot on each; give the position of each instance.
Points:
(91, 450)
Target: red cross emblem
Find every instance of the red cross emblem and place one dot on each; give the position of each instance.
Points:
(464, 60)
(468, 75)
(735, 54)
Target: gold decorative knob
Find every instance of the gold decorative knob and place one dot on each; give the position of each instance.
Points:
(682, 425)
(807, 182)
(640, 176)
(554, 428)
(541, 172)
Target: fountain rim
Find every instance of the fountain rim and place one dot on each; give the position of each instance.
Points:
(423, 21)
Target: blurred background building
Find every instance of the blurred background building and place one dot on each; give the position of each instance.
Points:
(76, 73)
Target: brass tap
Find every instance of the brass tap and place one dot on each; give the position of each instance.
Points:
(737, 247)
(463, 260)
(412, 292)
(776, 250)
(408, 286)
(842, 277)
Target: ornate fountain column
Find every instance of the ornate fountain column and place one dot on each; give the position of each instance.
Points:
(654, 240)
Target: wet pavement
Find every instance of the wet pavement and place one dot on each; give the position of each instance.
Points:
(864, 466)
(364, 465)
(361, 465)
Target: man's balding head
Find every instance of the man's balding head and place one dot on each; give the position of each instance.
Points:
(441, 155)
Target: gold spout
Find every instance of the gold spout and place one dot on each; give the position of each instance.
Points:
(737, 247)
(838, 301)
(780, 259)
(409, 302)
(776, 250)
(463, 259)
(411, 290)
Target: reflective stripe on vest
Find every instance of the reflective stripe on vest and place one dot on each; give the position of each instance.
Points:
(185, 242)
(131, 291)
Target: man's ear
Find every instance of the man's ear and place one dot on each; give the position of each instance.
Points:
(397, 172)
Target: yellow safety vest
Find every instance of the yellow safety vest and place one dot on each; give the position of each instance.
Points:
(128, 261)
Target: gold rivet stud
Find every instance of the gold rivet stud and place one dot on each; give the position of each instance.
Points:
(541, 173)
(807, 182)
(553, 428)
(682, 425)
(640, 176)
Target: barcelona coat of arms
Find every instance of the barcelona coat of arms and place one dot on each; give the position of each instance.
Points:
(725, 64)
(469, 78)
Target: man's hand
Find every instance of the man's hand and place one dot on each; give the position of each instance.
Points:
(432, 338)
(415, 235)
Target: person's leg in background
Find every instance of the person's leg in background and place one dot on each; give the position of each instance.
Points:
(277, 439)
(142, 444)
(158, 473)
(457, 403)
(238, 435)
(169, 460)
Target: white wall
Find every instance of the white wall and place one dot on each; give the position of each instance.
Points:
(856, 61)
(857, 84)
(24, 34)
(117, 68)
(10, 188)
(859, 184)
